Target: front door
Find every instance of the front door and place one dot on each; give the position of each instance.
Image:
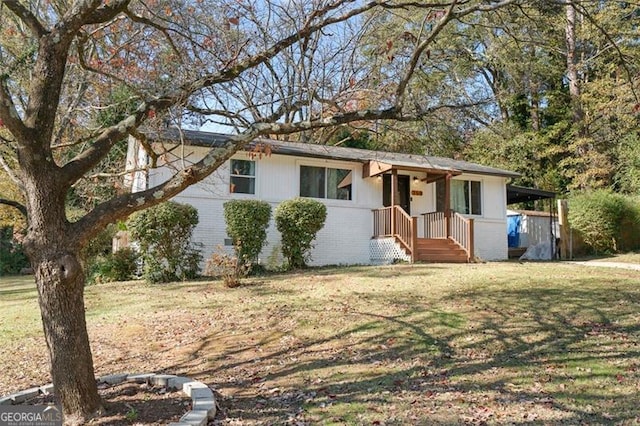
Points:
(404, 189)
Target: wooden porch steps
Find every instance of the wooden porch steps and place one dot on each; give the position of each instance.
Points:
(440, 250)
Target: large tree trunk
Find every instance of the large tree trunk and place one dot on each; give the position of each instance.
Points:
(60, 282)
(54, 252)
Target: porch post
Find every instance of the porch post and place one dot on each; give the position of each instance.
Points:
(447, 204)
(394, 187)
(414, 239)
(471, 232)
(394, 199)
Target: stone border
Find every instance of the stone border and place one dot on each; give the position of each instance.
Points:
(203, 402)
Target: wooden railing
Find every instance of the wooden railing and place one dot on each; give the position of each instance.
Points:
(435, 225)
(454, 226)
(382, 222)
(393, 221)
(461, 231)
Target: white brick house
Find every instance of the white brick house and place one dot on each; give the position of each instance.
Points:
(429, 200)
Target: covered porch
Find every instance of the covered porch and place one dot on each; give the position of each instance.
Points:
(428, 236)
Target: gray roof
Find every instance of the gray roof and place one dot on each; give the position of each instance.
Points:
(398, 160)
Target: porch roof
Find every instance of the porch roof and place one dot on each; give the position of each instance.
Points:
(412, 162)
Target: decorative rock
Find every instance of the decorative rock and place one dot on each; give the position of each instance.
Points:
(113, 379)
(46, 389)
(162, 380)
(177, 383)
(208, 405)
(140, 378)
(190, 386)
(201, 393)
(7, 400)
(203, 401)
(195, 418)
(24, 395)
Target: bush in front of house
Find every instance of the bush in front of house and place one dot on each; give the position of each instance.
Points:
(247, 222)
(119, 266)
(164, 235)
(226, 266)
(94, 253)
(299, 220)
(12, 256)
(607, 222)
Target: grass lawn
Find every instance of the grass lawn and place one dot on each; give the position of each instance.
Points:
(624, 257)
(495, 343)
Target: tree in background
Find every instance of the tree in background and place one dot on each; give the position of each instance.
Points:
(585, 102)
(256, 67)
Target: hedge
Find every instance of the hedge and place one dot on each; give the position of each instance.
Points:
(299, 220)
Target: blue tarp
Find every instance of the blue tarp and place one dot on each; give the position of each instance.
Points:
(513, 230)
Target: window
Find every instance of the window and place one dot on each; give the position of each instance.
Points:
(465, 196)
(323, 182)
(243, 177)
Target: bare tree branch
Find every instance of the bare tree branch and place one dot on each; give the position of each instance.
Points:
(10, 172)
(37, 29)
(9, 113)
(83, 63)
(219, 112)
(74, 169)
(90, 12)
(164, 30)
(86, 160)
(20, 207)
(142, 138)
(450, 14)
(418, 52)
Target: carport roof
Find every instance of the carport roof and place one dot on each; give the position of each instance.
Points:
(519, 194)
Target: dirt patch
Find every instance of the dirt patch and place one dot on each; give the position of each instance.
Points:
(133, 403)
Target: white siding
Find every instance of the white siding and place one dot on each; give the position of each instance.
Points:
(348, 228)
(491, 229)
(490, 239)
(345, 239)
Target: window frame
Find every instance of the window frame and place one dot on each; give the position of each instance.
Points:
(233, 175)
(326, 167)
(470, 205)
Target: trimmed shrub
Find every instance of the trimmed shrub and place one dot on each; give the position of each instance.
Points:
(164, 235)
(606, 221)
(299, 220)
(247, 222)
